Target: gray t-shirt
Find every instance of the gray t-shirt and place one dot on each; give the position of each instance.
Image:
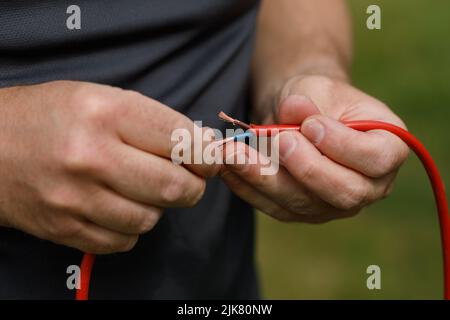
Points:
(192, 55)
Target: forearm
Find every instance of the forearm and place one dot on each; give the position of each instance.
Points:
(299, 37)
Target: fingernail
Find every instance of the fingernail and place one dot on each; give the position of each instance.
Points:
(313, 130)
(287, 144)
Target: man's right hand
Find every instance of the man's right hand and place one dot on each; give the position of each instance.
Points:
(88, 165)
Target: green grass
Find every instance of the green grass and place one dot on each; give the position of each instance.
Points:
(406, 65)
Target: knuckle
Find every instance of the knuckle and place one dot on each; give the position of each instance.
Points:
(142, 221)
(181, 121)
(180, 190)
(173, 189)
(82, 154)
(354, 197)
(178, 121)
(151, 219)
(133, 221)
(101, 247)
(307, 171)
(387, 159)
(298, 204)
(76, 158)
(61, 198)
(60, 228)
(94, 107)
(127, 244)
(397, 159)
(404, 153)
(384, 163)
(114, 244)
(121, 108)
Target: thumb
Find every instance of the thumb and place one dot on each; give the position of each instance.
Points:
(296, 108)
(374, 153)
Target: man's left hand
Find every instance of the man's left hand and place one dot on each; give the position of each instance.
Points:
(327, 171)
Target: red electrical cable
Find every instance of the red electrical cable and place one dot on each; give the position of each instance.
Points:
(85, 274)
(362, 125)
(436, 182)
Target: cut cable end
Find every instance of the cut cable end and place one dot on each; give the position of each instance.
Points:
(223, 116)
(227, 118)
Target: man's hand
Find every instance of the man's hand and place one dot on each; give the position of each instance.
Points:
(327, 171)
(88, 166)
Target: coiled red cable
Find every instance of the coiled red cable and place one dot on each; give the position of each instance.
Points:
(363, 125)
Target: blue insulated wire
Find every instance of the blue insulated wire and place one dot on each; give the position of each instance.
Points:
(243, 136)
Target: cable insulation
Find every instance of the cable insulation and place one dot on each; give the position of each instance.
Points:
(85, 274)
(436, 183)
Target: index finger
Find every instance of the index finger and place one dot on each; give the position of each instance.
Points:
(148, 125)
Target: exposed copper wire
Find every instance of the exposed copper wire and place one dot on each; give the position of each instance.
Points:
(227, 118)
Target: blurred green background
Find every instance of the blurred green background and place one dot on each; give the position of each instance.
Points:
(407, 65)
